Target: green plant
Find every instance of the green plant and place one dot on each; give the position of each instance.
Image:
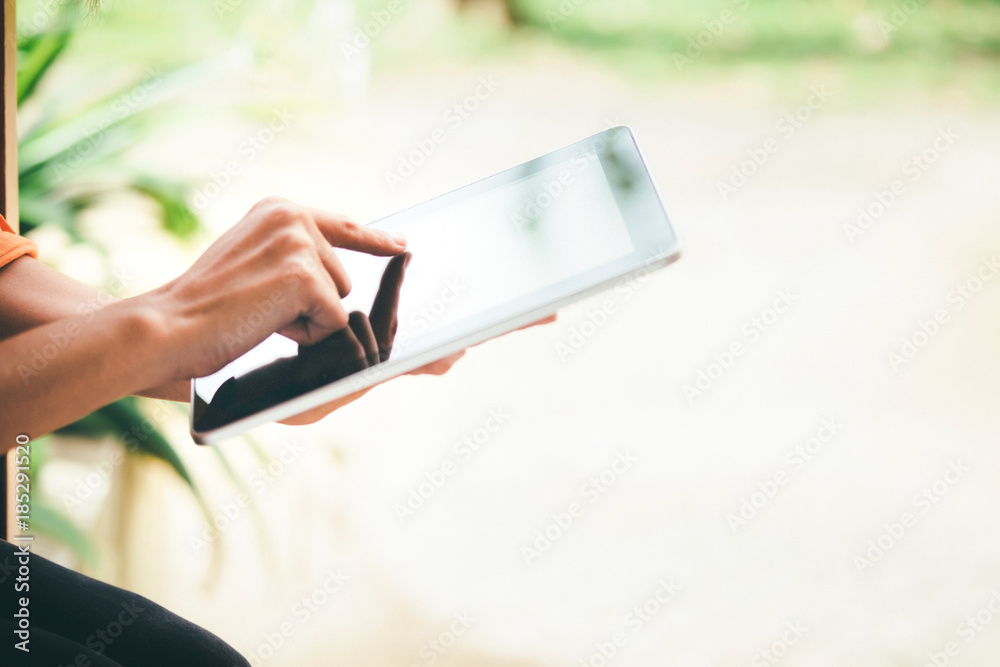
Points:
(67, 162)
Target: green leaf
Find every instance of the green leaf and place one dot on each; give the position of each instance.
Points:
(177, 217)
(135, 430)
(35, 212)
(36, 59)
(60, 151)
(95, 425)
(123, 420)
(73, 134)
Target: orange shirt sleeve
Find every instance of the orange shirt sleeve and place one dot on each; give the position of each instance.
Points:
(13, 246)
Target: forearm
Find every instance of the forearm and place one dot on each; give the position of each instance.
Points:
(33, 294)
(56, 373)
(276, 268)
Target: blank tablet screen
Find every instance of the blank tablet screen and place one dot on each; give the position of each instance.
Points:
(508, 244)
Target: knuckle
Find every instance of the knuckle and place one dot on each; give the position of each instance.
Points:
(350, 226)
(269, 204)
(270, 200)
(283, 212)
(290, 244)
(300, 268)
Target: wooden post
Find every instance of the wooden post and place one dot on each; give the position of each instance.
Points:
(9, 139)
(8, 202)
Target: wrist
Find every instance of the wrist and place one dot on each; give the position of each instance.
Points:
(182, 333)
(143, 321)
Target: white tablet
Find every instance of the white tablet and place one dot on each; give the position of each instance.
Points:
(481, 261)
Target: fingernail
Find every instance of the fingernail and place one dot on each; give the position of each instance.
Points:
(398, 238)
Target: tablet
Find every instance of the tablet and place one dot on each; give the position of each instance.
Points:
(481, 261)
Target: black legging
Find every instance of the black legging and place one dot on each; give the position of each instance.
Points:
(71, 615)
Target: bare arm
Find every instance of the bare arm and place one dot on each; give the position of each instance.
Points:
(33, 294)
(276, 268)
(53, 374)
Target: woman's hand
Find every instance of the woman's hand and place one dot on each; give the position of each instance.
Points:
(275, 270)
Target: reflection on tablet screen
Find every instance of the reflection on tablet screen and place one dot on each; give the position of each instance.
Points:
(474, 257)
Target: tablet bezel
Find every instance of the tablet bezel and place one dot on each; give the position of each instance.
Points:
(648, 225)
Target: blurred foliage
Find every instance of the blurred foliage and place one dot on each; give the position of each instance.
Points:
(943, 43)
(764, 29)
(880, 45)
(46, 520)
(769, 29)
(67, 162)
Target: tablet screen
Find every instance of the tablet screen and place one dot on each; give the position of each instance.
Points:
(475, 257)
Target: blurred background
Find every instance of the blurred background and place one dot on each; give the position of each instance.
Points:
(784, 449)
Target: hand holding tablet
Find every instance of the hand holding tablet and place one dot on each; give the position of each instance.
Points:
(481, 261)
